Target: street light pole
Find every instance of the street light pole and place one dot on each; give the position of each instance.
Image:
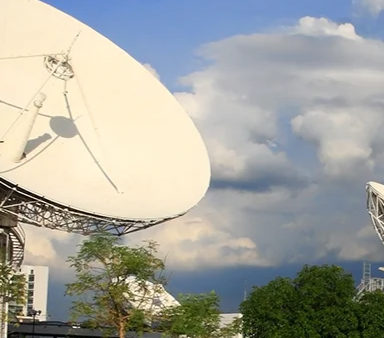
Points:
(34, 313)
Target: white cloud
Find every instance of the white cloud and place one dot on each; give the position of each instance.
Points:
(324, 27)
(343, 137)
(315, 88)
(191, 242)
(50, 248)
(372, 6)
(327, 84)
(364, 247)
(152, 70)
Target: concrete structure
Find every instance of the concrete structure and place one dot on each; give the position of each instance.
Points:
(37, 293)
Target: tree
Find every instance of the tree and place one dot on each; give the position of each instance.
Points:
(371, 314)
(326, 300)
(111, 280)
(12, 286)
(317, 303)
(231, 329)
(196, 317)
(269, 311)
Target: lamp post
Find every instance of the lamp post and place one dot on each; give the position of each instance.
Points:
(34, 313)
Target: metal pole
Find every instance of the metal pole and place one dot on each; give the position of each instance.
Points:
(33, 323)
(34, 313)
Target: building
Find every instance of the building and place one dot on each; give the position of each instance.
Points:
(37, 294)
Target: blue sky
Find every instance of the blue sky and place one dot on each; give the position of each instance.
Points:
(168, 33)
(288, 98)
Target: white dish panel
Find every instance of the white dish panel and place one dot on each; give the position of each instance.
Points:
(120, 146)
(378, 187)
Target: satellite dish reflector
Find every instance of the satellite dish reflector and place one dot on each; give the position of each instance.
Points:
(149, 297)
(86, 129)
(375, 206)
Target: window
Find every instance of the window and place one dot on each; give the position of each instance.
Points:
(29, 309)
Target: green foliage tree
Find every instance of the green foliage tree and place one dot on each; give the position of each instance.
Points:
(196, 317)
(317, 303)
(12, 286)
(326, 301)
(232, 329)
(110, 281)
(371, 314)
(269, 311)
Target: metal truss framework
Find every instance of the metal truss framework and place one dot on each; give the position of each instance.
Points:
(368, 283)
(35, 210)
(17, 239)
(12, 241)
(375, 206)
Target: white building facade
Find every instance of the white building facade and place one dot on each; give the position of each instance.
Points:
(37, 292)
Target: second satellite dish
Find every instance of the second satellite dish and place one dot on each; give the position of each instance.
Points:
(86, 126)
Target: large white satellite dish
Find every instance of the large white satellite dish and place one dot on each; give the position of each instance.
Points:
(375, 206)
(89, 139)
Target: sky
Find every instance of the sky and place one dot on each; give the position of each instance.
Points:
(288, 97)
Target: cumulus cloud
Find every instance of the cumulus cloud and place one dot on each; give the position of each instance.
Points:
(344, 137)
(324, 27)
(51, 248)
(374, 7)
(194, 242)
(327, 81)
(316, 88)
(223, 231)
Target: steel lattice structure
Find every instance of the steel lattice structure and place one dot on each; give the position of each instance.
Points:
(375, 206)
(17, 238)
(35, 210)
